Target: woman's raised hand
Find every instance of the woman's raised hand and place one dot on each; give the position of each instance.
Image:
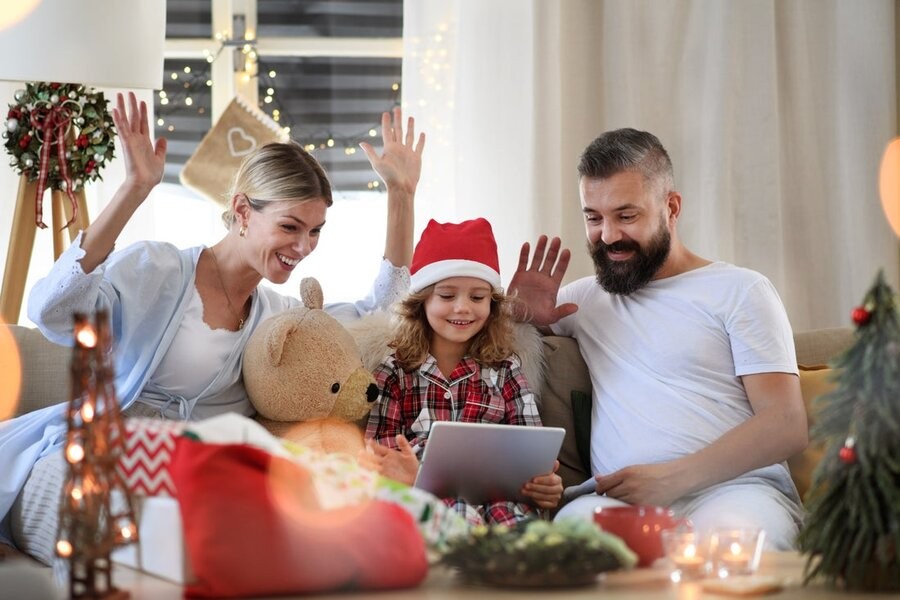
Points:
(400, 162)
(144, 161)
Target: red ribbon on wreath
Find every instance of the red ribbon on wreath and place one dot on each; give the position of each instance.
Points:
(53, 123)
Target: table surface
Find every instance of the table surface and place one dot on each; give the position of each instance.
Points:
(637, 584)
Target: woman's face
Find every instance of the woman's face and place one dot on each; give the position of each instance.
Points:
(282, 234)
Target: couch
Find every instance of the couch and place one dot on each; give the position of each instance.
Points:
(564, 395)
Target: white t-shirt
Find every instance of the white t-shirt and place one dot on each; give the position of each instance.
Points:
(665, 362)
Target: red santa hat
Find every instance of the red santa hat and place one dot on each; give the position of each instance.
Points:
(445, 250)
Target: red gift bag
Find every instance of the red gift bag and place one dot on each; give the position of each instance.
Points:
(253, 527)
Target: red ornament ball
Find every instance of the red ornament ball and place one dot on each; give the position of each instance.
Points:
(847, 455)
(860, 315)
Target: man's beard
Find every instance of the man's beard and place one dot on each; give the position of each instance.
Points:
(627, 276)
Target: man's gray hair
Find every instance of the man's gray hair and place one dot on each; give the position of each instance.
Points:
(628, 149)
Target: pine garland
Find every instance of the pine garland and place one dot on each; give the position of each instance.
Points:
(852, 531)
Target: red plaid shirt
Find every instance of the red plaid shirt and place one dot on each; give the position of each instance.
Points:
(410, 401)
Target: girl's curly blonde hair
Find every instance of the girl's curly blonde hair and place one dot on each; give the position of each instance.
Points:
(411, 338)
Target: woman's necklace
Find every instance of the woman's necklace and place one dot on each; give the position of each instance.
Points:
(234, 313)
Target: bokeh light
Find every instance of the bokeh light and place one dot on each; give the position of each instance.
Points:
(889, 184)
(10, 373)
(15, 11)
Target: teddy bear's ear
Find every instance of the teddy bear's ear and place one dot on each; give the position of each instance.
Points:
(311, 293)
(275, 338)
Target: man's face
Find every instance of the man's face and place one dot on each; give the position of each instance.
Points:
(627, 229)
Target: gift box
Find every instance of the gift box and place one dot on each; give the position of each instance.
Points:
(160, 549)
(144, 465)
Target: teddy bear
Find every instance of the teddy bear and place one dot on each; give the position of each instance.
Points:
(303, 375)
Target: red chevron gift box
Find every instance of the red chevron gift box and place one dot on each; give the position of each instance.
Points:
(149, 445)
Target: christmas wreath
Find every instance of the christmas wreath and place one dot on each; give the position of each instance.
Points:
(537, 553)
(60, 135)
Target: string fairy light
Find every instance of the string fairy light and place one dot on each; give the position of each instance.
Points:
(187, 94)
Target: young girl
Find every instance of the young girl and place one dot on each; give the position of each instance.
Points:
(453, 361)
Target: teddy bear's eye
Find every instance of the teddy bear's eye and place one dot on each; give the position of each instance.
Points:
(335, 388)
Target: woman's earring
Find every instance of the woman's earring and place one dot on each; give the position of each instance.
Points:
(243, 231)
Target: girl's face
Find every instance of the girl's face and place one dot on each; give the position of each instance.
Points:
(282, 234)
(458, 308)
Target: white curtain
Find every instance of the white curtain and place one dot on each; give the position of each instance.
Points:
(775, 114)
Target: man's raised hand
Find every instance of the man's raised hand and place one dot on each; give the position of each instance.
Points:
(534, 286)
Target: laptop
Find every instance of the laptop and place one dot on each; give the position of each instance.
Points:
(483, 462)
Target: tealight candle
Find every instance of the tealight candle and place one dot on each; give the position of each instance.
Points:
(683, 550)
(736, 551)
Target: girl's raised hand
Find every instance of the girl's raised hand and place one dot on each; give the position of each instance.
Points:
(400, 162)
(144, 161)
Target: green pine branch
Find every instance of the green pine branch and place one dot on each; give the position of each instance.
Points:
(852, 531)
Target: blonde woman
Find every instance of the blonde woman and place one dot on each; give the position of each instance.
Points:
(181, 317)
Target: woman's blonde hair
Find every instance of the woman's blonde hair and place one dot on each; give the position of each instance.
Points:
(275, 172)
(412, 335)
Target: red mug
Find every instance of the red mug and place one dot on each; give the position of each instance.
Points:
(640, 527)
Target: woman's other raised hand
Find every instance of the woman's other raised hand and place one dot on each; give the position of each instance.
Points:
(144, 160)
(400, 162)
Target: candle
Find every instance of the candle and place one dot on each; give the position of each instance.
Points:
(688, 562)
(682, 550)
(736, 551)
(735, 562)
(735, 558)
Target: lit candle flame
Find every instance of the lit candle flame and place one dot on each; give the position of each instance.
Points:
(126, 532)
(64, 548)
(690, 551)
(77, 493)
(87, 412)
(735, 548)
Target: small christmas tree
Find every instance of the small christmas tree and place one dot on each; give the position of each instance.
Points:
(90, 527)
(852, 532)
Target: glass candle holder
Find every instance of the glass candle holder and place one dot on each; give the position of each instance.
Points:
(736, 551)
(686, 555)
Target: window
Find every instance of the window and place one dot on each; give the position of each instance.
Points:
(324, 69)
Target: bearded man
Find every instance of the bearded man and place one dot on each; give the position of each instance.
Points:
(696, 395)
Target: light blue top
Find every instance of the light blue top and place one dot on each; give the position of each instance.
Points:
(144, 288)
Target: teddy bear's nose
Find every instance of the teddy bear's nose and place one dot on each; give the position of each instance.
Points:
(371, 392)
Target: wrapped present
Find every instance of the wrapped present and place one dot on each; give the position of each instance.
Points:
(149, 445)
(339, 481)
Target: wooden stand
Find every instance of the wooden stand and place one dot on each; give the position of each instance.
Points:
(21, 241)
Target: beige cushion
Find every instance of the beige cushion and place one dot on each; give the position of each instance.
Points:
(45, 370)
(565, 372)
(821, 346)
(814, 382)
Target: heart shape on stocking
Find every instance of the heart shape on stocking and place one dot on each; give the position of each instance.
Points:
(239, 143)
